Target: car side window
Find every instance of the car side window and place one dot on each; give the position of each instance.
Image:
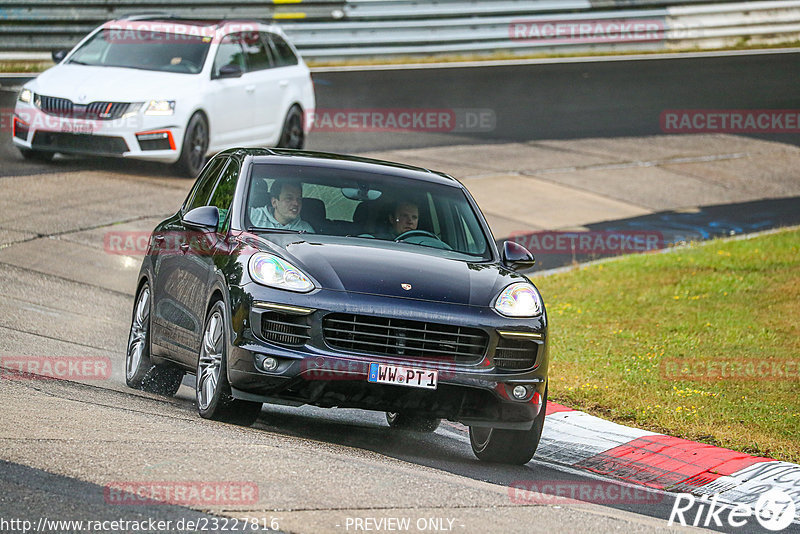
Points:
(255, 51)
(284, 55)
(230, 52)
(205, 184)
(222, 197)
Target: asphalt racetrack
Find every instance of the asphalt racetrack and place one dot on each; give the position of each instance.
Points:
(568, 129)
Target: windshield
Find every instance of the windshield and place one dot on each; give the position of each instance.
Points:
(142, 49)
(364, 205)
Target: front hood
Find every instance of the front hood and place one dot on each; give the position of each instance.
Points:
(382, 268)
(84, 84)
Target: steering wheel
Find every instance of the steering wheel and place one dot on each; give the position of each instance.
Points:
(425, 235)
(415, 233)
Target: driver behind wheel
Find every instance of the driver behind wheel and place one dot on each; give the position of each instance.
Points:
(403, 218)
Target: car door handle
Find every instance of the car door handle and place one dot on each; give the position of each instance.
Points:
(184, 247)
(159, 238)
(283, 83)
(250, 88)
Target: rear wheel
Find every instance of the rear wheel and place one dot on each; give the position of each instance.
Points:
(292, 135)
(194, 148)
(414, 423)
(213, 392)
(508, 446)
(36, 155)
(140, 371)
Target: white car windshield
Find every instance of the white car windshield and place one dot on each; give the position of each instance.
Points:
(141, 49)
(365, 205)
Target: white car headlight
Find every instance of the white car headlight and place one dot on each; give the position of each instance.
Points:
(519, 299)
(160, 107)
(272, 271)
(26, 95)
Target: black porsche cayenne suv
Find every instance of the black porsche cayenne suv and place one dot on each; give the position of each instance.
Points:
(311, 278)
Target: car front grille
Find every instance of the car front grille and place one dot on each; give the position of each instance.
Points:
(62, 107)
(106, 110)
(515, 354)
(52, 105)
(80, 143)
(404, 338)
(285, 329)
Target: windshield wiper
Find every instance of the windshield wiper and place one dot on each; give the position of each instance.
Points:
(75, 61)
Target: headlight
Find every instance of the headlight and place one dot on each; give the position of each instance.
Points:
(26, 95)
(519, 299)
(270, 270)
(160, 107)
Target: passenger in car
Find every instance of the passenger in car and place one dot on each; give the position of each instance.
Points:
(286, 200)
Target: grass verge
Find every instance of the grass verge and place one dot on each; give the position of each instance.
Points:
(701, 343)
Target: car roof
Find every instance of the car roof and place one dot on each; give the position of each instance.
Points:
(340, 161)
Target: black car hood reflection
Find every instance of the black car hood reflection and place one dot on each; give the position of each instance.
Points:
(379, 267)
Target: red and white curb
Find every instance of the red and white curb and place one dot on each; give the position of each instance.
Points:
(577, 439)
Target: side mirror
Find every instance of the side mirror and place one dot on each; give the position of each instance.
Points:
(230, 71)
(205, 217)
(58, 55)
(516, 257)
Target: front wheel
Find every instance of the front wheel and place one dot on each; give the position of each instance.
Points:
(508, 446)
(140, 371)
(414, 423)
(194, 148)
(213, 392)
(292, 135)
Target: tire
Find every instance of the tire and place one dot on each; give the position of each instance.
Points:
(508, 446)
(194, 147)
(292, 134)
(140, 371)
(414, 423)
(37, 155)
(212, 390)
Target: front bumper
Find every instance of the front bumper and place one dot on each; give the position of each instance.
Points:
(475, 390)
(151, 138)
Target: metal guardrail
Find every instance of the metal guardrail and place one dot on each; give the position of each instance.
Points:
(44, 25)
(716, 26)
(338, 29)
(692, 24)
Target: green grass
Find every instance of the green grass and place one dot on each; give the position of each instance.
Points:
(619, 330)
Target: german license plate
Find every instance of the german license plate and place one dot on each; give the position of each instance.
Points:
(403, 376)
(78, 127)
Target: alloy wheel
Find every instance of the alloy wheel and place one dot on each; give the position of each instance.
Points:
(210, 363)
